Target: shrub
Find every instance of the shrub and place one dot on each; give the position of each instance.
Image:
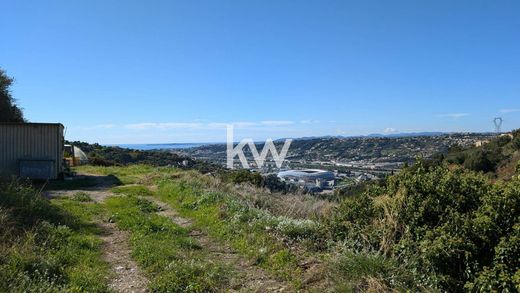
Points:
(244, 176)
(479, 161)
(516, 142)
(82, 197)
(354, 210)
(275, 184)
(453, 228)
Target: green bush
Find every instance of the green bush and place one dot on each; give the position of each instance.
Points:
(244, 176)
(453, 228)
(82, 197)
(352, 215)
(516, 143)
(479, 161)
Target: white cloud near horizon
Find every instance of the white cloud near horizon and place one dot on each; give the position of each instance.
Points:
(167, 125)
(309, 121)
(390, 130)
(509, 110)
(454, 115)
(276, 123)
(94, 127)
(200, 125)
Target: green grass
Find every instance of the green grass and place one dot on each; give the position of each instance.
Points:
(127, 175)
(252, 232)
(233, 222)
(48, 247)
(173, 261)
(355, 272)
(255, 233)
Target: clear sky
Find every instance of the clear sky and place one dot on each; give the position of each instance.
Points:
(176, 71)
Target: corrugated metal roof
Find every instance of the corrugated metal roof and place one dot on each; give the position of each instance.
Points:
(28, 123)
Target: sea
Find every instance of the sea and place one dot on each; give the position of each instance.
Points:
(164, 146)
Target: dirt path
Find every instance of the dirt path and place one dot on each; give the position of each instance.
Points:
(248, 277)
(127, 276)
(116, 251)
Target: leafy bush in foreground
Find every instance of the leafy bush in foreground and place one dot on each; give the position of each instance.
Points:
(453, 228)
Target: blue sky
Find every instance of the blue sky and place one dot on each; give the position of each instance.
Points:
(177, 71)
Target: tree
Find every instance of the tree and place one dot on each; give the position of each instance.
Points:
(9, 111)
(479, 161)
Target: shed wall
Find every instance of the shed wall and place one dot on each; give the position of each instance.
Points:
(30, 142)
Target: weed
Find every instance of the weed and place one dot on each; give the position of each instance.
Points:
(82, 197)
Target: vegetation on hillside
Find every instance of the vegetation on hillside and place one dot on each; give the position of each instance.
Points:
(497, 157)
(454, 229)
(428, 228)
(100, 155)
(348, 149)
(271, 182)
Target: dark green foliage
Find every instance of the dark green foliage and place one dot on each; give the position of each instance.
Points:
(479, 161)
(516, 139)
(496, 157)
(244, 176)
(454, 228)
(274, 184)
(9, 111)
(26, 206)
(271, 182)
(351, 190)
(352, 214)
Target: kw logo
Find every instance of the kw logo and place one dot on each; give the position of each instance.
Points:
(260, 159)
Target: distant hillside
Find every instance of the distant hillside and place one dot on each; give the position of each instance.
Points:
(498, 157)
(406, 134)
(117, 156)
(347, 149)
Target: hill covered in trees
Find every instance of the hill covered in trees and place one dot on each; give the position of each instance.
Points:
(100, 155)
(497, 158)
